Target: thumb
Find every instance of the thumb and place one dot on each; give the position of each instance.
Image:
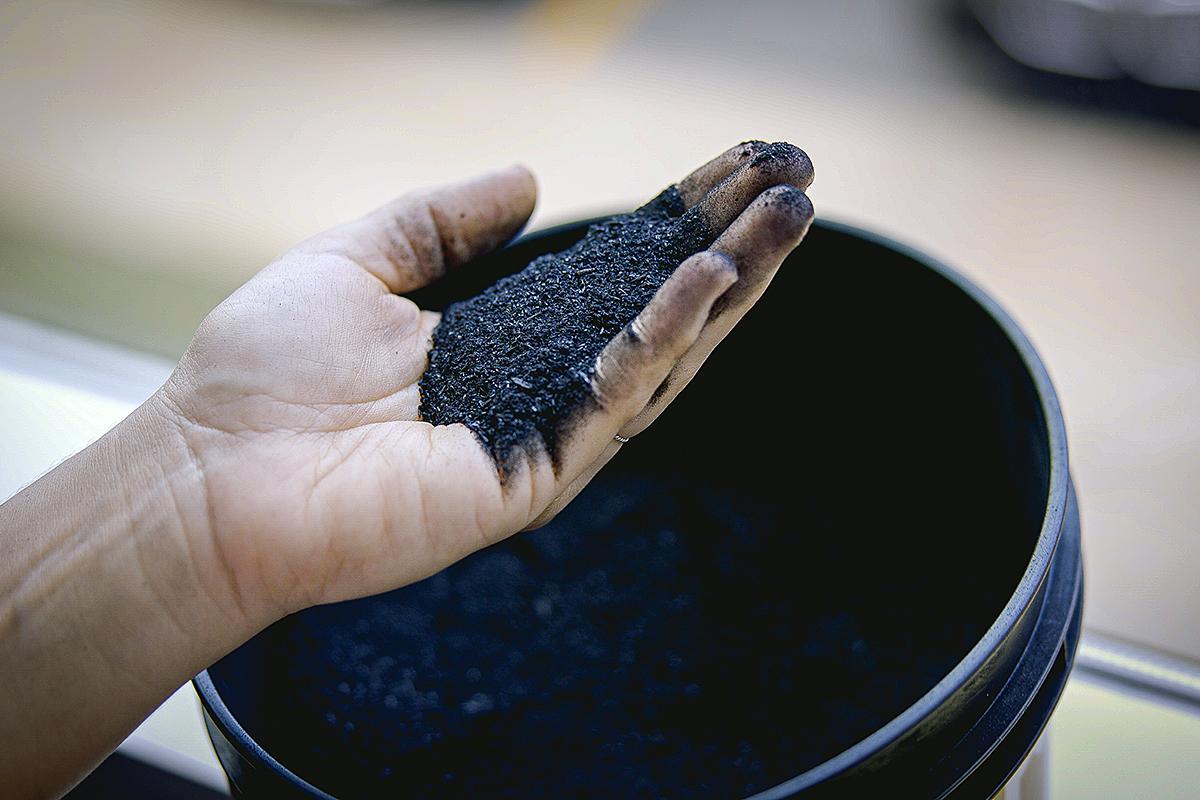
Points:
(414, 239)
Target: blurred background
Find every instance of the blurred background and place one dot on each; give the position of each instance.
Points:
(154, 155)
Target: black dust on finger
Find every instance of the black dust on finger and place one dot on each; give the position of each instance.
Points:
(516, 362)
(781, 157)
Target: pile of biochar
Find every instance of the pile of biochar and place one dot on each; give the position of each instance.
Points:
(514, 362)
(662, 638)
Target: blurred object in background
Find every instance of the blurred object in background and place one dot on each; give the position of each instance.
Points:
(1130, 55)
(1155, 41)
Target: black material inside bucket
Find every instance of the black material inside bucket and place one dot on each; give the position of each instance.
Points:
(823, 524)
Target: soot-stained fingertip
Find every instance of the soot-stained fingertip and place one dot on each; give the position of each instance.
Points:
(780, 156)
(688, 296)
(715, 271)
(791, 202)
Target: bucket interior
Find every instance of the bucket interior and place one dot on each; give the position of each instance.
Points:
(823, 524)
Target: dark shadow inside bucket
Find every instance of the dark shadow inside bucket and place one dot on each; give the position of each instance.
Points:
(826, 521)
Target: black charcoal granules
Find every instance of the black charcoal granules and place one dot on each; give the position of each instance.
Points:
(513, 363)
(662, 638)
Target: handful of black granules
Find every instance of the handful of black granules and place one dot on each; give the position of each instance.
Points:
(514, 362)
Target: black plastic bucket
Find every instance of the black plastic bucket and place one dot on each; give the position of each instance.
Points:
(924, 461)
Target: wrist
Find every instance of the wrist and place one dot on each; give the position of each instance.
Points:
(158, 455)
(110, 598)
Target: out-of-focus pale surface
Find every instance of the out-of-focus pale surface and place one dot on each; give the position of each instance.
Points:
(70, 416)
(1107, 743)
(155, 154)
(60, 392)
(175, 739)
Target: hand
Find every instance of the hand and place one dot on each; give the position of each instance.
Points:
(283, 464)
(298, 397)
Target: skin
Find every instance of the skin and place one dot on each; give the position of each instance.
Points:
(283, 465)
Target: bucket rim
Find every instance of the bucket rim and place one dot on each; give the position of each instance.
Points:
(1038, 568)
(240, 739)
(1023, 596)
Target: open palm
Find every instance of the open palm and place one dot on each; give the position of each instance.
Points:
(298, 397)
